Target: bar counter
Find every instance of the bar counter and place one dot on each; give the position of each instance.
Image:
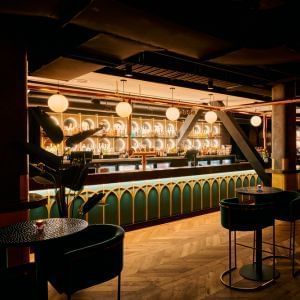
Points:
(138, 198)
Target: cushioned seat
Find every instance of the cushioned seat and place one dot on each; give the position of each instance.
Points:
(236, 216)
(287, 208)
(90, 257)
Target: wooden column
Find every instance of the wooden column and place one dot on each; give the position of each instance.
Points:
(284, 138)
(13, 122)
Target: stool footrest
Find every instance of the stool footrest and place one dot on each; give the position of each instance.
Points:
(261, 285)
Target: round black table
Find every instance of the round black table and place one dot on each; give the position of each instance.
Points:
(258, 271)
(253, 191)
(27, 234)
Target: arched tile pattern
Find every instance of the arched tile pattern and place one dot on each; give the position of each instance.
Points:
(126, 207)
(153, 204)
(215, 194)
(187, 199)
(197, 197)
(223, 189)
(165, 202)
(141, 201)
(206, 195)
(112, 209)
(176, 200)
(140, 206)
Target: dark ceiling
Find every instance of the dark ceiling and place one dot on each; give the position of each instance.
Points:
(245, 46)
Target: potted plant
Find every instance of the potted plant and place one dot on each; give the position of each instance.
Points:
(51, 168)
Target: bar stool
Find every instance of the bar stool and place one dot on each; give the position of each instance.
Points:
(244, 217)
(287, 208)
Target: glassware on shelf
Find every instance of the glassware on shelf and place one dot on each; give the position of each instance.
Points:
(70, 126)
(170, 146)
(104, 145)
(146, 144)
(134, 128)
(159, 145)
(87, 124)
(135, 144)
(197, 144)
(120, 145)
(146, 129)
(119, 128)
(88, 145)
(106, 124)
(158, 129)
(197, 131)
(171, 130)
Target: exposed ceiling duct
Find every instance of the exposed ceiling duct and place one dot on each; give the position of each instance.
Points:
(236, 43)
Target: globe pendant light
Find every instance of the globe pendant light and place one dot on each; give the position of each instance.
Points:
(172, 113)
(210, 116)
(255, 121)
(58, 103)
(123, 109)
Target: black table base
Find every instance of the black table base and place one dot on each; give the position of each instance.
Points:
(250, 272)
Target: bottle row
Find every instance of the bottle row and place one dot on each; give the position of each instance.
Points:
(145, 134)
(107, 145)
(118, 127)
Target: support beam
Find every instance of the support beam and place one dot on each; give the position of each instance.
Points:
(188, 124)
(243, 143)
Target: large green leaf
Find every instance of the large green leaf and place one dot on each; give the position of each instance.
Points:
(52, 130)
(81, 136)
(51, 160)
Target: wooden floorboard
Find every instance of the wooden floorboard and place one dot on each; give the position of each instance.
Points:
(183, 260)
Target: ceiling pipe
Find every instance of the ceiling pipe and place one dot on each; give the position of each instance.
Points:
(116, 96)
(108, 95)
(258, 104)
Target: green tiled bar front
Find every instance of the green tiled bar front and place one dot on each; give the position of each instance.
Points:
(136, 202)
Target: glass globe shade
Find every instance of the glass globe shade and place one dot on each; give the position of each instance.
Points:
(255, 121)
(172, 113)
(58, 103)
(210, 117)
(123, 109)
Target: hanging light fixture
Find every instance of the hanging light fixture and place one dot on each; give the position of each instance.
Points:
(123, 109)
(128, 71)
(255, 121)
(172, 113)
(210, 116)
(210, 84)
(58, 102)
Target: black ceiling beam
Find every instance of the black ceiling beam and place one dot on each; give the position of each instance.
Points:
(93, 58)
(188, 65)
(180, 83)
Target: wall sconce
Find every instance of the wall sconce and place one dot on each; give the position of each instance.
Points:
(172, 113)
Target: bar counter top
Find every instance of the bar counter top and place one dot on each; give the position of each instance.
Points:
(157, 159)
(135, 175)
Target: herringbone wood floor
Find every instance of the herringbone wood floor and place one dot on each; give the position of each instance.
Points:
(183, 260)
